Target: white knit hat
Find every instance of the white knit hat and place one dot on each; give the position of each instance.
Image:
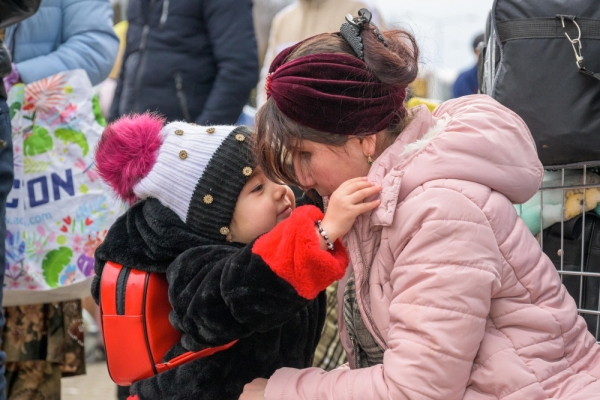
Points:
(196, 171)
(183, 157)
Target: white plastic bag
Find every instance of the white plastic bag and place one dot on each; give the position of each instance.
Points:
(58, 211)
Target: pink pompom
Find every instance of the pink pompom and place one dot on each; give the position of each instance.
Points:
(127, 152)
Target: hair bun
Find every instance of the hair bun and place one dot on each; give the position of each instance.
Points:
(128, 150)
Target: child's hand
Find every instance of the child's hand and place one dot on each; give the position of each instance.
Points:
(346, 203)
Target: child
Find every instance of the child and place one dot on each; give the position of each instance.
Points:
(198, 208)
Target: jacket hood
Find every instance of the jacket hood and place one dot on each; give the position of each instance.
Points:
(473, 138)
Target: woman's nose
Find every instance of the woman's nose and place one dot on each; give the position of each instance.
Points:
(304, 177)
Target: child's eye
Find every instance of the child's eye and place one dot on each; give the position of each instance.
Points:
(257, 188)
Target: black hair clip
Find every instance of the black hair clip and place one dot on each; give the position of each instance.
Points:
(350, 31)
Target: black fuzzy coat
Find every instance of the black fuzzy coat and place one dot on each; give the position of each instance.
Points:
(219, 292)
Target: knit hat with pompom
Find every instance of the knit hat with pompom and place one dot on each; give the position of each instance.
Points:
(196, 171)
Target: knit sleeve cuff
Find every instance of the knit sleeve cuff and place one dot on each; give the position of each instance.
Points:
(293, 252)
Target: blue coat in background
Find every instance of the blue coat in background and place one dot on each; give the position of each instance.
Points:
(466, 83)
(193, 60)
(65, 35)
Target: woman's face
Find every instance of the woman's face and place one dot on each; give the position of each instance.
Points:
(324, 168)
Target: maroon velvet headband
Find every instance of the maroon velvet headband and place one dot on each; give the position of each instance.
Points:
(333, 93)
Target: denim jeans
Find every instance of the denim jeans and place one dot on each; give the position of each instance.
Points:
(6, 183)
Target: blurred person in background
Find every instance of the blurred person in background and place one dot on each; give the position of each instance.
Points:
(466, 83)
(303, 19)
(106, 90)
(188, 60)
(264, 11)
(45, 341)
(64, 35)
(11, 12)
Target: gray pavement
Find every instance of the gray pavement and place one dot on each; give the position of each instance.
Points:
(95, 385)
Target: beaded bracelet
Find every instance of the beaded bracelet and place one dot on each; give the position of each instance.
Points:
(324, 234)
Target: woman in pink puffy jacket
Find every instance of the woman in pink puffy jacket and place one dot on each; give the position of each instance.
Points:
(448, 295)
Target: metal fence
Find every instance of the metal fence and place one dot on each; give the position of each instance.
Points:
(569, 233)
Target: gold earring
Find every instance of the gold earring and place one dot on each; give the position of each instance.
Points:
(370, 160)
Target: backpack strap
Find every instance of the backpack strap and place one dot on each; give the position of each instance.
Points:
(191, 356)
(570, 26)
(547, 28)
(589, 73)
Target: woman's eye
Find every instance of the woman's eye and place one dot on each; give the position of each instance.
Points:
(257, 188)
(304, 155)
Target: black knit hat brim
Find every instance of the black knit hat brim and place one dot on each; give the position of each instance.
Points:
(214, 199)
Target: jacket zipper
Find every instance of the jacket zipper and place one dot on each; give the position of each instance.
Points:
(181, 97)
(164, 15)
(365, 278)
(121, 290)
(141, 65)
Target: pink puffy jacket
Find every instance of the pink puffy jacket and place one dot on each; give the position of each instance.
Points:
(450, 281)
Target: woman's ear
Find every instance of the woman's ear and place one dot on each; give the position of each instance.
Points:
(368, 144)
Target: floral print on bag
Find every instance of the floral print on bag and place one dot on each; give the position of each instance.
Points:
(58, 211)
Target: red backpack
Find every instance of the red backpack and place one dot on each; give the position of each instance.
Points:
(134, 309)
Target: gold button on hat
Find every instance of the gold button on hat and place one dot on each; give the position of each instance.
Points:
(208, 199)
(247, 171)
(179, 132)
(210, 130)
(183, 154)
(240, 138)
(224, 231)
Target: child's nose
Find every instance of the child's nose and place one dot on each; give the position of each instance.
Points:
(279, 191)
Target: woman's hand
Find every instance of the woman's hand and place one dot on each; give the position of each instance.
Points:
(346, 203)
(254, 390)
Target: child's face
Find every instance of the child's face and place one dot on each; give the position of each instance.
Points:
(261, 205)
